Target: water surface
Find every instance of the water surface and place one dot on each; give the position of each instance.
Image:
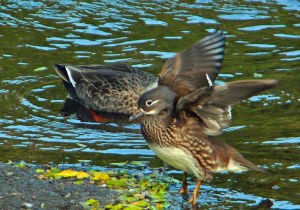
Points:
(263, 41)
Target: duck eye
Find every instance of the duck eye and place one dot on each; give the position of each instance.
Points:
(149, 102)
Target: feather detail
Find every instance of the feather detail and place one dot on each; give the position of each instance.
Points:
(113, 88)
(216, 111)
(186, 72)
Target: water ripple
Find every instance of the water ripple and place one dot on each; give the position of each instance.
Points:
(260, 27)
(290, 140)
(261, 43)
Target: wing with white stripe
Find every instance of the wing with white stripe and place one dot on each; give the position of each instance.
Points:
(189, 70)
(215, 112)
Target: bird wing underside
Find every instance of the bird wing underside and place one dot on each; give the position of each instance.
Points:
(186, 72)
(215, 111)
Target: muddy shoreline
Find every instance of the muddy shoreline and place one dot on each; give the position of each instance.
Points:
(22, 189)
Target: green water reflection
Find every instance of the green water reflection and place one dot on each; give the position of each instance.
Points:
(262, 41)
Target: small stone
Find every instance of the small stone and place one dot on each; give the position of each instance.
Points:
(266, 204)
(27, 205)
(103, 185)
(9, 173)
(68, 195)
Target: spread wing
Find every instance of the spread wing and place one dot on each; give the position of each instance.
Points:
(215, 110)
(191, 75)
(186, 71)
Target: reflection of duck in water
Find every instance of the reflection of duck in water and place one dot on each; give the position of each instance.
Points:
(182, 111)
(85, 114)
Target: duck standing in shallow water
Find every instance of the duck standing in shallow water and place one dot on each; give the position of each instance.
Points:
(182, 109)
(185, 111)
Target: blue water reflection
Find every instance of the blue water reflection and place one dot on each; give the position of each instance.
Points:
(262, 42)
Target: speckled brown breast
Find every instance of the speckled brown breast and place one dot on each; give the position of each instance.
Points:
(189, 139)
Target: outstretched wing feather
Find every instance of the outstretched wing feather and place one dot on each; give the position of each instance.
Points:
(216, 110)
(186, 72)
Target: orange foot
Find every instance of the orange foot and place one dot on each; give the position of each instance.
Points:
(184, 190)
(193, 200)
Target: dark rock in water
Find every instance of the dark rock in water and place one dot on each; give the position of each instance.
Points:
(265, 204)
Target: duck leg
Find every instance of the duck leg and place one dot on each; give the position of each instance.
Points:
(193, 200)
(184, 190)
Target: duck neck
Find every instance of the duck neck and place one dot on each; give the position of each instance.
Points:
(154, 127)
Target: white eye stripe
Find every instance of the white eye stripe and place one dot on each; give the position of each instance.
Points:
(155, 102)
(153, 111)
(152, 102)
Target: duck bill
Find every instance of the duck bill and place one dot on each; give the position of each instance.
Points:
(135, 116)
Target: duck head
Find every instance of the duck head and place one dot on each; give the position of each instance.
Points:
(157, 101)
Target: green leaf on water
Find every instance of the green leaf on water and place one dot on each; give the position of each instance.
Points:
(131, 199)
(42, 68)
(39, 170)
(123, 197)
(53, 171)
(92, 202)
(167, 204)
(81, 145)
(159, 196)
(133, 189)
(132, 207)
(117, 183)
(141, 203)
(119, 164)
(139, 163)
(145, 183)
(79, 182)
(257, 75)
(20, 165)
(115, 207)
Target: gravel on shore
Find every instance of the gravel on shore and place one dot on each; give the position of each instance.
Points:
(22, 189)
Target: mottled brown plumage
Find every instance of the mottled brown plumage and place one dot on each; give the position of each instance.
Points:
(183, 114)
(183, 110)
(113, 88)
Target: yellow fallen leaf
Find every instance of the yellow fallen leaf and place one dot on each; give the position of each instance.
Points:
(141, 203)
(82, 175)
(159, 206)
(41, 176)
(99, 176)
(139, 195)
(67, 173)
(132, 207)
